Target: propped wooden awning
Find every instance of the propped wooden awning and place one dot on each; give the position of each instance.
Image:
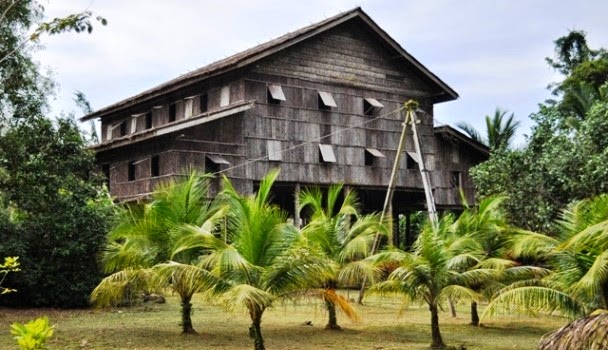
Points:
(374, 103)
(217, 159)
(276, 92)
(374, 152)
(414, 156)
(327, 153)
(327, 99)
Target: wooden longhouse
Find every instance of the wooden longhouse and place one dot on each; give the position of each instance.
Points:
(285, 104)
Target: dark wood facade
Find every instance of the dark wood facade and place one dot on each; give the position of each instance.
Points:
(322, 104)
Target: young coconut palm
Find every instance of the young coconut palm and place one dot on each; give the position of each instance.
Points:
(487, 247)
(344, 235)
(578, 258)
(262, 258)
(426, 274)
(145, 247)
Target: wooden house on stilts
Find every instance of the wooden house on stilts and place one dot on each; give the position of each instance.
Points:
(321, 103)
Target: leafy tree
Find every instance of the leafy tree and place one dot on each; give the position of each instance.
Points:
(578, 258)
(561, 162)
(427, 274)
(59, 213)
(571, 51)
(24, 88)
(146, 247)
(343, 234)
(558, 165)
(500, 130)
(261, 259)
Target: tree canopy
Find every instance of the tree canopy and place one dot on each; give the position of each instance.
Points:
(565, 157)
(53, 208)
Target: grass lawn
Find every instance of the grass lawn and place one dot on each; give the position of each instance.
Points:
(156, 327)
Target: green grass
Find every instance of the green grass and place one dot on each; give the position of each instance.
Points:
(384, 326)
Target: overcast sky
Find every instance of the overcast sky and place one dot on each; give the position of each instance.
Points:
(491, 52)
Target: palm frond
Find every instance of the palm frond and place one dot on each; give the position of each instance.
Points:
(471, 131)
(592, 285)
(112, 290)
(534, 299)
(245, 296)
(355, 272)
(184, 279)
(456, 292)
(343, 304)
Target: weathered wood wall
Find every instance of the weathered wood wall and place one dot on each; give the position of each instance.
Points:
(346, 62)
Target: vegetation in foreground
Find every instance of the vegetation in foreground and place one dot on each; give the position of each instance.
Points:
(386, 325)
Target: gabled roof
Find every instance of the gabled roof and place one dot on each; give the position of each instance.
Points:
(259, 52)
(450, 133)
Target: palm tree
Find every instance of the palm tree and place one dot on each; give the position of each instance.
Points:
(578, 258)
(484, 242)
(344, 235)
(500, 130)
(426, 274)
(261, 259)
(145, 249)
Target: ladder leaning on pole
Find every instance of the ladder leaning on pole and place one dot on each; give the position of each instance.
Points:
(410, 117)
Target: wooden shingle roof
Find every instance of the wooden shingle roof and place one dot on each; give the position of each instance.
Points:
(252, 55)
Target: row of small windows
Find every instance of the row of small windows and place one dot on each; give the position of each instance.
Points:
(188, 111)
(275, 95)
(327, 155)
(325, 100)
(214, 162)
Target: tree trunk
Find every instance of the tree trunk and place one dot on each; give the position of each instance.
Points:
(474, 314)
(452, 308)
(186, 315)
(361, 293)
(255, 330)
(332, 322)
(435, 333)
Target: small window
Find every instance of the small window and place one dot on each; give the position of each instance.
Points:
(411, 161)
(134, 123)
(203, 102)
(131, 171)
(225, 96)
(123, 128)
(275, 94)
(188, 107)
(172, 113)
(109, 130)
(371, 156)
(326, 101)
(105, 170)
(149, 120)
(326, 154)
(155, 166)
(371, 106)
(274, 150)
(455, 179)
(455, 155)
(213, 163)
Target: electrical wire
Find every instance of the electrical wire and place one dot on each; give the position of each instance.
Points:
(251, 161)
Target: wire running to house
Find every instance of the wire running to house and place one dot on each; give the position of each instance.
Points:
(308, 142)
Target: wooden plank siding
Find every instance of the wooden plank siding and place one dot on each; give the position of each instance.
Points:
(350, 63)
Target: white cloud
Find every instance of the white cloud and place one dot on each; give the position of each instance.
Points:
(491, 52)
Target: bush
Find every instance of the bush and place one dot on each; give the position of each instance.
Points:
(55, 213)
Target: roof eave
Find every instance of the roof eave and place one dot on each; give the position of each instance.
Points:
(446, 92)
